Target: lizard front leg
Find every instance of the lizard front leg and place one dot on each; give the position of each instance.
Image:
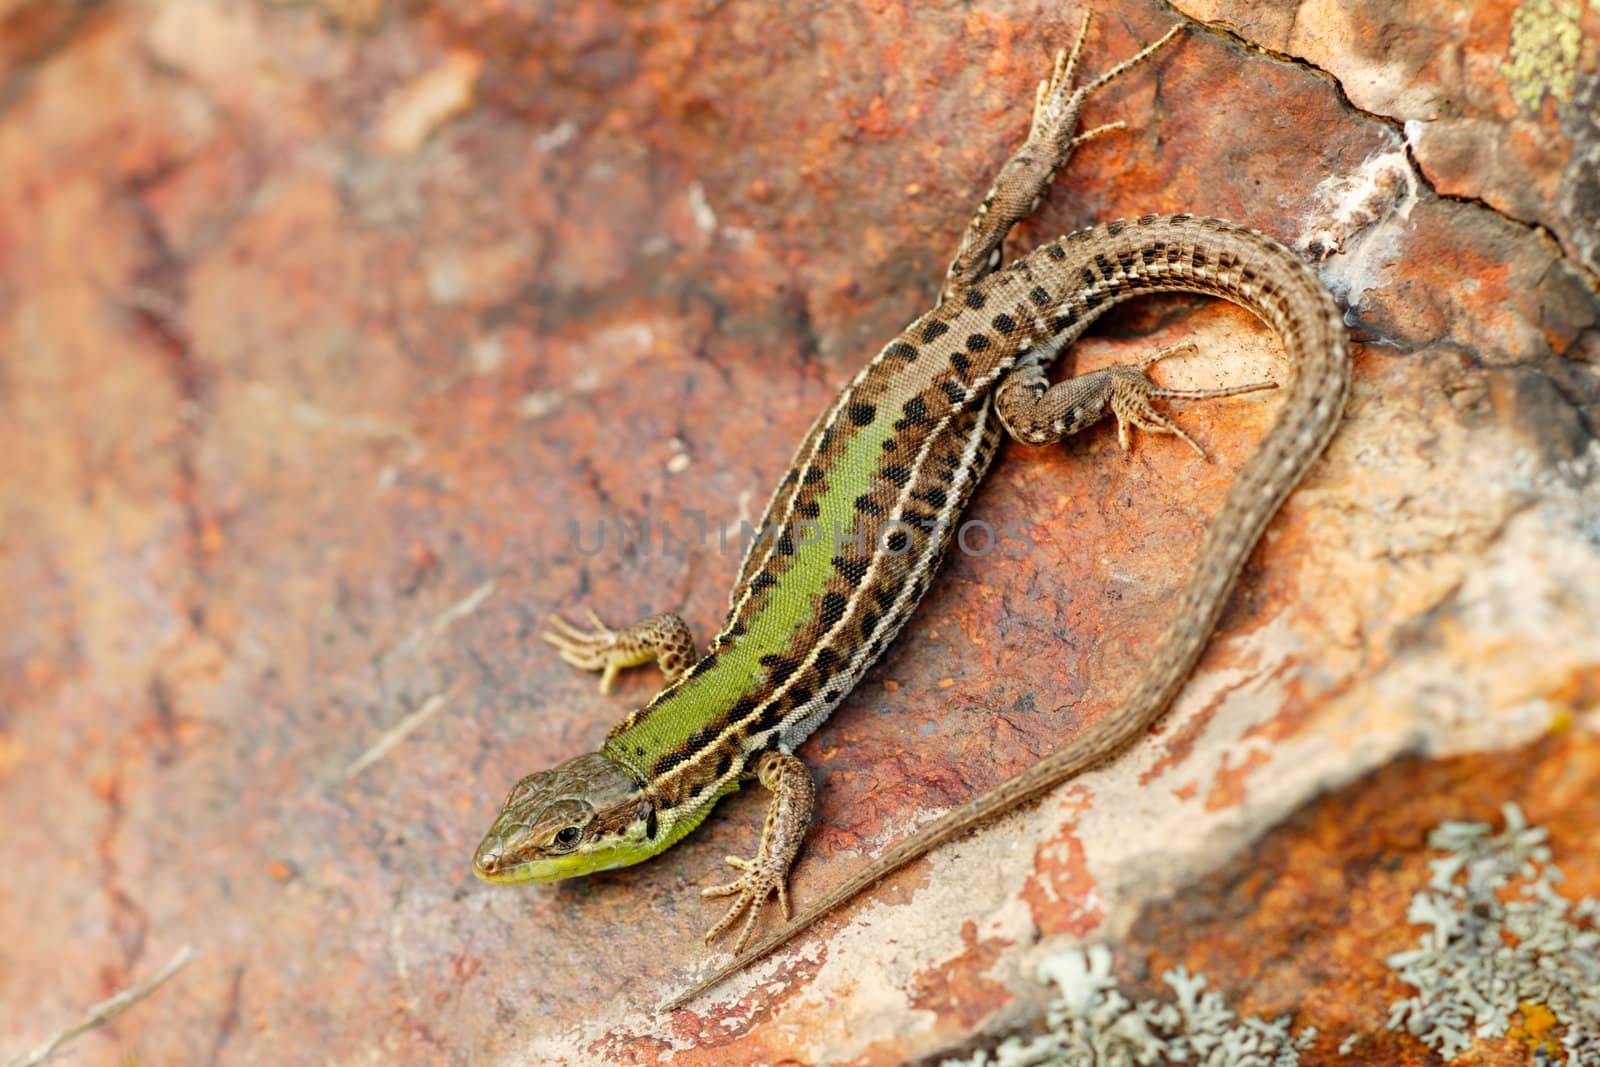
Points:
(788, 816)
(1037, 413)
(664, 638)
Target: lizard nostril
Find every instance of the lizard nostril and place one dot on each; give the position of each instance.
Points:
(489, 863)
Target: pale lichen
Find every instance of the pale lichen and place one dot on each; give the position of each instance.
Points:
(1092, 1024)
(1504, 953)
(1545, 41)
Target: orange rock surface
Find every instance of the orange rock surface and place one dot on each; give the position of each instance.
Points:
(329, 331)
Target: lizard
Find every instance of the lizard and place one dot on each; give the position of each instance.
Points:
(893, 460)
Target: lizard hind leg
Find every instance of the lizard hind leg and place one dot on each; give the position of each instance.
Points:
(1037, 413)
(1021, 184)
(788, 816)
(665, 638)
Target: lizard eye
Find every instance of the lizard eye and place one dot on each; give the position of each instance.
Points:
(567, 836)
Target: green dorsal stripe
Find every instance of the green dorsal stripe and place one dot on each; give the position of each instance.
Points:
(791, 605)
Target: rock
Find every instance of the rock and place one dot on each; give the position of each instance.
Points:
(331, 332)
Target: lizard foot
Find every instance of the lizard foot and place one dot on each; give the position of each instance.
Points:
(761, 878)
(1131, 390)
(665, 638)
(1056, 104)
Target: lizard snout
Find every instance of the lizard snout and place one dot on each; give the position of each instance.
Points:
(485, 861)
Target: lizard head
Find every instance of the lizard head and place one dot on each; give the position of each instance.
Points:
(585, 815)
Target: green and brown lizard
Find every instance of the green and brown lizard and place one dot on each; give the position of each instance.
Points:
(884, 474)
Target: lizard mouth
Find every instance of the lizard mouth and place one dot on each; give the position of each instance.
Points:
(492, 863)
(493, 867)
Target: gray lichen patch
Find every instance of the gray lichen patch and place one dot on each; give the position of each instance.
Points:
(1502, 955)
(1502, 946)
(1092, 1023)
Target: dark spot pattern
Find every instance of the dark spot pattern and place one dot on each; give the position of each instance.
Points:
(833, 608)
(669, 761)
(915, 413)
(854, 570)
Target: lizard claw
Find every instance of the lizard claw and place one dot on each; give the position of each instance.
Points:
(762, 877)
(588, 650)
(664, 638)
(1132, 389)
(1057, 104)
